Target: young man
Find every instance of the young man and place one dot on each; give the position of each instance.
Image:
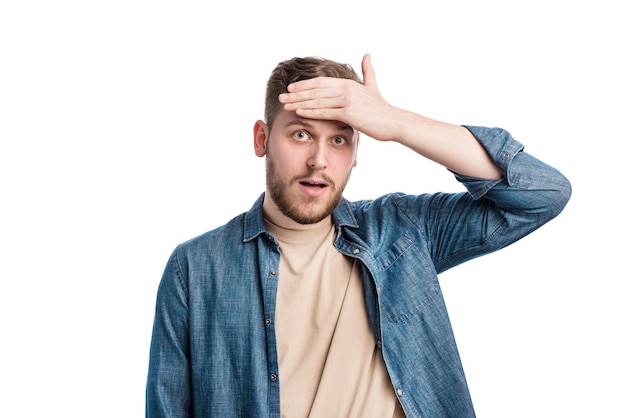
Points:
(310, 305)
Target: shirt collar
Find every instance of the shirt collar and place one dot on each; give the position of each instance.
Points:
(255, 226)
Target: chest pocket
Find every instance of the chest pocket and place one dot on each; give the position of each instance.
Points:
(407, 280)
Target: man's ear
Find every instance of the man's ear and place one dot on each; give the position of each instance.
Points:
(261, 134)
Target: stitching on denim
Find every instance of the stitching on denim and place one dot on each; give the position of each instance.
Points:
(180, 276)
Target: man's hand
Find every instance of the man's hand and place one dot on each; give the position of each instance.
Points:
(358, 105)
(363, 107)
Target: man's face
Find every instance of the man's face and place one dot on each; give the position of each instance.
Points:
(308, 164)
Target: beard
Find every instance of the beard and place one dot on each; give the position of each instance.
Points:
(309, 210)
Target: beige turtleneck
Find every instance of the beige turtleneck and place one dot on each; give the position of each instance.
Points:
(328, 362)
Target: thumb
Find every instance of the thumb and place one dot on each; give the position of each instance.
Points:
(369, 77)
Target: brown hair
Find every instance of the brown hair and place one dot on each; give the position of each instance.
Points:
(297, 69)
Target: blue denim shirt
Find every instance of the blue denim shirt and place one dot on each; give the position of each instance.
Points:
(213, 350)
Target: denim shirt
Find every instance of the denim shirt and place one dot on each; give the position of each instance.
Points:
(213, 350)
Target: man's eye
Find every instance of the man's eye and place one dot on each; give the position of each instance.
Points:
(301, 135)
(338, 140)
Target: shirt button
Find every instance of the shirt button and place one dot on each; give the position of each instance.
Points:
(399, 392)
(355, 251)
(272, 273)
(268, 321)
(505, 155)
(273, 377)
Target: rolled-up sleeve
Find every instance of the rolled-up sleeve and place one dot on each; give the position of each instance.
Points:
(497, 212)
(528, 184)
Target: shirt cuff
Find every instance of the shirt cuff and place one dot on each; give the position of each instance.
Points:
(501, 147)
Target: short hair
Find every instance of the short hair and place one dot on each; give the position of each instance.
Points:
(297, 69)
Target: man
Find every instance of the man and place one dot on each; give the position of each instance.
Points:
(311, 305)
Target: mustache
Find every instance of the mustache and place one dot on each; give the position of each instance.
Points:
(313, 174)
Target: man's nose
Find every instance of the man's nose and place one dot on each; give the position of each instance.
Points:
(318, 158)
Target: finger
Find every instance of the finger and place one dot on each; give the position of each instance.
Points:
(317, 104)
(294, 99)
(369, 77)
(312, 83)
(308, 95)
(320, 114)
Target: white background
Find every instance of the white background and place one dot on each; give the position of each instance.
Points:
(126, 128)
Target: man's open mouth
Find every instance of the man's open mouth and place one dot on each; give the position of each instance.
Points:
(307, 184)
